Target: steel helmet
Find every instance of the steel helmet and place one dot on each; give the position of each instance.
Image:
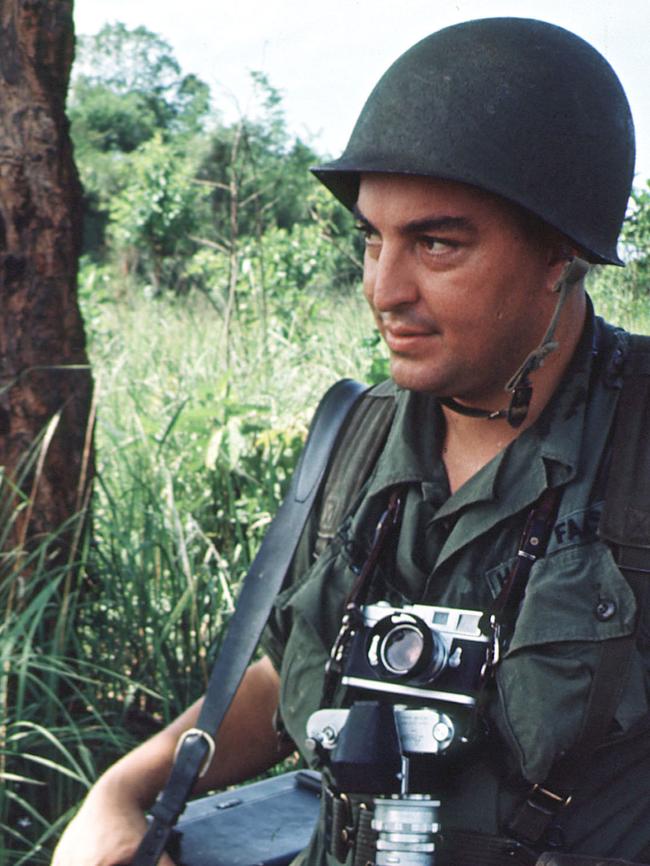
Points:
(517, 107)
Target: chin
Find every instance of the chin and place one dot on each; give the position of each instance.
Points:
(413, 377)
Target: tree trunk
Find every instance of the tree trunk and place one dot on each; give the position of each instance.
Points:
(45, 381)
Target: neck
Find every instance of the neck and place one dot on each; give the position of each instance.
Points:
(470, 443)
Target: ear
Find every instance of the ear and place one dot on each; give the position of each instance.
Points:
(561, 262)
(575, 271)
(560, 249)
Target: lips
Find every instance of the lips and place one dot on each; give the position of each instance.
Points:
(403, 331)
(404, 339)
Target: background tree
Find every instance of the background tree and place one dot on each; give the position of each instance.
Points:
(44, 375)
(273, 181)
(177, 200)
(636, 230)
(153, 217)
(127, 88)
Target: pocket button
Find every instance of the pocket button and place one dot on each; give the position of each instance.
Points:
(605, 609)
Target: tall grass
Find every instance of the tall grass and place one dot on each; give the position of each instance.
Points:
(192, 458)
(622, 296)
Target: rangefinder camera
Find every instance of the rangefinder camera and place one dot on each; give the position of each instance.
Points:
(420, 651)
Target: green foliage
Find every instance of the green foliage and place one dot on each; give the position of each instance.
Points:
(378, 365)
(52, 729)
(254, 161)
(192, 461)
(128, 60)
(621, 294)
(636, 231)
(104, 120)
(138, 67)
(154, 213)
(290, 265)
(282, 275)
(636, 240)
(228, 210)
(127, 90)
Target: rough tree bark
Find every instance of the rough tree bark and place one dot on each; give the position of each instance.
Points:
(44, 370)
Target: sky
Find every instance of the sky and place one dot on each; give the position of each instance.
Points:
(325, 57)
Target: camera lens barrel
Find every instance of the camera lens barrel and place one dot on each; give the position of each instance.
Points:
(401, 649)
(402, 645)
(406, 827)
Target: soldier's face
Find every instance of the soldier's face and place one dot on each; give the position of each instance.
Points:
(461, 291)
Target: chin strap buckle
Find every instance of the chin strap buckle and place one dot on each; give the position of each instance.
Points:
(519, 403)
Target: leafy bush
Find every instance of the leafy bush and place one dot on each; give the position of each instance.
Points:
(152, 216)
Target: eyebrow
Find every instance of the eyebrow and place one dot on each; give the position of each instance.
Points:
(425, 224)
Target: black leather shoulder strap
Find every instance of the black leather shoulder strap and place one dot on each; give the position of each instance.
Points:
(260, 586)
(357, 452)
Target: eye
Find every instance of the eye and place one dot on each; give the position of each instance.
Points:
(371, 240)
(370, 234)
(435, 246)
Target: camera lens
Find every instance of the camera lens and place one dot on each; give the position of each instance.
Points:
(402, 646)
(401, 649)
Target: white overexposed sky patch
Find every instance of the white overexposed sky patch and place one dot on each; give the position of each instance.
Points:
(326, 56)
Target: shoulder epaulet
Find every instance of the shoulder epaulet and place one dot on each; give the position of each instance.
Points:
(625, 523)
(357, 451)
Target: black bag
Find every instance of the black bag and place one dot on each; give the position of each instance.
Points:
(262, 824)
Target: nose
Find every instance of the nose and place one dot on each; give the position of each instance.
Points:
(388, 279)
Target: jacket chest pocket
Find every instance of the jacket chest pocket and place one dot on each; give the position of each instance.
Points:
(316, 607)
(575, 600)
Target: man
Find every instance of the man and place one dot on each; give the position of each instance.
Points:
(488, 163)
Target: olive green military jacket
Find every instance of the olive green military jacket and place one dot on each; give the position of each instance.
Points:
(455, 550)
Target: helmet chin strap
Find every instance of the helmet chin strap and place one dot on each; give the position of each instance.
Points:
(519, 386)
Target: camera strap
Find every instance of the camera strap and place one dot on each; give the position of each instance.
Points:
(498, 623)
(263, 581)
(352, 616)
